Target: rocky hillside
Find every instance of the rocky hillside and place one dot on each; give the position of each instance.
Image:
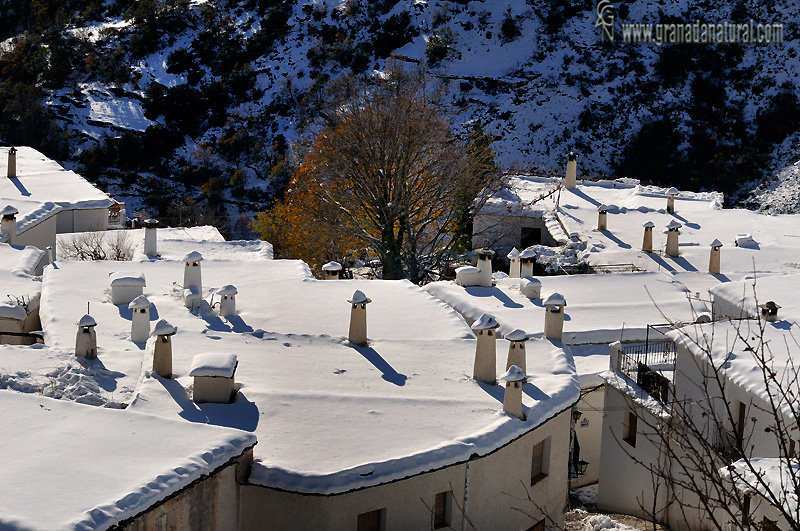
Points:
(188, 109)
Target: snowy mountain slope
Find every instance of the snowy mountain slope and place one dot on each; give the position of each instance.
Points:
(188, 109)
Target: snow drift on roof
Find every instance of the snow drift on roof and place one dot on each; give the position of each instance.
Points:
(128, 279)
(214, 364)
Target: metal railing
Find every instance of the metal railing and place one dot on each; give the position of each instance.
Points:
(648, 363)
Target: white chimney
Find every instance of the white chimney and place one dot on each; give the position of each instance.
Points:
(227, 302)
(8, 223)
(572, 171)
(554, 316)
(485, 267)
(358, 318)
(526, 259)
(671, 193)
(513, 263)
(213, 375)
(602, 217)
(140, 320)
(647, 241)
(485, 349)
(150, 238)
(162, 352)
(86, 338)
(50, 257)
(516, 349)
(672, 238)
(12, 162)
(512, 398)
(332, 270)
(531, 288)
(769, 311)
(713, 260)
(192, 280)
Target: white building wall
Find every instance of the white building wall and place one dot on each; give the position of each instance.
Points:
(499, 485)
(42, 235)
(505, 232)
(82, 220)
(588, 431)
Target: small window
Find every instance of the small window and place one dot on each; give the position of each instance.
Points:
(441, 510)
(540, 461)
(629, 428)
(740, 424)
(769, 525)
(371, 521)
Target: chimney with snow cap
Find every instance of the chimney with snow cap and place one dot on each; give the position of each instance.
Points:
(647, 241)
(150, 239)
(671, 193)
(192, 280)
(531, 288)
(332, 270)
(602, 217)
(554, 316)
(672, 238)
(513, 263)
(571, 180)
(769, 311)
(516, 349)
(514, 377)
(713, 260)
(485, 349)
(8, 223)
(526, 259)
(358, 318)
(162, 352)
(86, 339)
(140, 320)
(227, 302)
(12, 162)
(485, 267)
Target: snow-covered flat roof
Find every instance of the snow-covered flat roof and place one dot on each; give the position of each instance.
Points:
(774, 480)
(734, 345)
(62, 466)
(17, 265)
(43, 180)
(407, 401)
(217, 364)
(700, 213)
(175, 242)
(376, 414)
(747, 294)
(600, 308)
(31, 213)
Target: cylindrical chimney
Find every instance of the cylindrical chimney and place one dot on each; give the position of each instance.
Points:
(162, 352)
(554, 316)
(516, 349)
(150, 238)
(513, 263)
(671, 193)
(8, 223)
(485, 366)
(647, 241)
(332, 270)
(672, 238)
(86, 338)
(602, 217)
(526, 259)
(12, 162)
(485, 267)
(571, 180)
(512, 398)
(140, 319)
(713, 260)
(227, 303)
(358, 318)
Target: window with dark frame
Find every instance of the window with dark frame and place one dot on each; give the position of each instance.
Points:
(629, 428)
(371, 521)
(441, 510)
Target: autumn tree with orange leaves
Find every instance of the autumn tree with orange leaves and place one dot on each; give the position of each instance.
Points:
(384, 172)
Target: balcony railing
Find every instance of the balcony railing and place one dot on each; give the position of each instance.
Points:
(650, 364)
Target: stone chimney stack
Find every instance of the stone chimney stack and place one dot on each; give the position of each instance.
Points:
(571, 180)
(8, 223)
(516, 350)
(86, 339)
(485, 267)
(358, 318)
(713, 260)
(162, 353)
(602, 217)
(512, 398)
(526, 259)
(12, 162)
(150, 239)
(485, 367)
(140, 320)
(769, 311)
(513, 263)
(332, 270)
(192, 280)
(672, 238)
(554, 316)
(671, 193)
(531, 288)
(227, 302)
(647, 241)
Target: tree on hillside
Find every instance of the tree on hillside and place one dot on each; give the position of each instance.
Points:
(385, 170)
